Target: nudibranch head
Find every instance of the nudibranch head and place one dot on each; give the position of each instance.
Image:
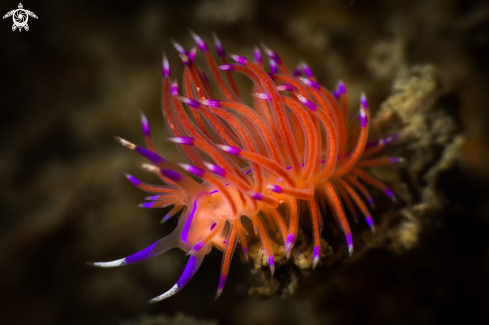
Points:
(296, 144)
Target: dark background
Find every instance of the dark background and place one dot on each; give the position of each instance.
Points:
(80, 75)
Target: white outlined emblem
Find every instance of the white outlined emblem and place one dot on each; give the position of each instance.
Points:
(20, 17)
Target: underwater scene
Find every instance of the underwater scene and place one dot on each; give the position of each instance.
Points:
(315, 162)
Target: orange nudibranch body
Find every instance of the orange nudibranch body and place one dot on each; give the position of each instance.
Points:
(295, 148)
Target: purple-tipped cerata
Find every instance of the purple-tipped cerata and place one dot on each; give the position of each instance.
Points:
(192, 54)
(200, 43)
(193, 169)
(174, 89)
(309, 104)
(261, 96)
(211, 102)
(232, 150)
(182, 140)
(222, 282)
(216, 169)
(165, 67)
(273, 66)
(370, 222)
(285, 87)
(341, 87)
(307, 71)
(189, 101)
(151, 156)
(310, 83)
(389, 193)
(363, 101)
(171, 174)
(395, 160)
(363, 117)
(132, 179)
(257, 196)
(145, 125)
(275, 188)
(271, 54)
(179, 48)
(271, 264)
(336, 94)
(297, 71)
(240, 59)
(289, 243)
(227, 67)
(219, 49)
(151, 205)
(257, 55)
(349, 242)
(316, 254)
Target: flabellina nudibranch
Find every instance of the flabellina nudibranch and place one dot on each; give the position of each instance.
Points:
(295, 147)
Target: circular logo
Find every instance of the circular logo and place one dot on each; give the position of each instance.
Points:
(20, 16)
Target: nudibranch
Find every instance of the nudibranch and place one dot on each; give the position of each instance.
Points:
(296, 147)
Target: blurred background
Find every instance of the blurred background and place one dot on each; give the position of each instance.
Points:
(83, 72)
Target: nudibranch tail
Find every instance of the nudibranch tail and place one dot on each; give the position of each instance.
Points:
(294, 148)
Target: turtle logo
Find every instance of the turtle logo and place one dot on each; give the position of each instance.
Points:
(20, 17)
